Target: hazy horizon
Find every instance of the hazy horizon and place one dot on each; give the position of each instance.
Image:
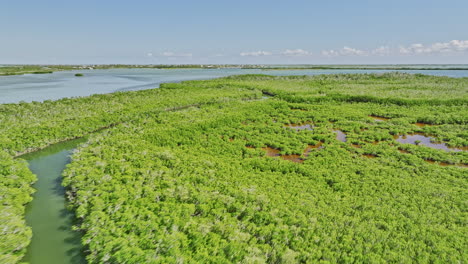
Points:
(252, 64)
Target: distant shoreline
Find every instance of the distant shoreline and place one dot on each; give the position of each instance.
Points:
(365, 68)
(8, 70)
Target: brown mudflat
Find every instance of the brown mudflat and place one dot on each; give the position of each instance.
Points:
(272, 152)
(422, 124)
(445, 164)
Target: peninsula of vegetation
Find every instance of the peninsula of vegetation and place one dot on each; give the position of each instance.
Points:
(348, 168)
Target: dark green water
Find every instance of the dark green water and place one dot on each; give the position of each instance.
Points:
(53, 241)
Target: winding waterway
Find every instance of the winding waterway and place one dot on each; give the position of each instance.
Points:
(53, 241)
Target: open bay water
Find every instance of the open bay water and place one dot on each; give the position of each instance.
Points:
(41, 87)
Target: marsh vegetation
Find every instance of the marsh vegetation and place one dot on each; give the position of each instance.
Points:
(207, 171)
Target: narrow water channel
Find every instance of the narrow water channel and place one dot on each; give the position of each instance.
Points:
(53, 241)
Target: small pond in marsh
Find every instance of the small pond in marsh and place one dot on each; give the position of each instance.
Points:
(340, 135)
(298, 127)
(426, 141)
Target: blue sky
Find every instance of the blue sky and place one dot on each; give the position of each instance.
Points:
(294, 31)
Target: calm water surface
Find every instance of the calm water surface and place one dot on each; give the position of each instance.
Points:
(40, 87)
(340, 135)
(426, 141)
(53, 241)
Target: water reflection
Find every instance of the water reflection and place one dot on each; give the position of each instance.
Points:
(340, 135)
(298, 127)
(421, 139)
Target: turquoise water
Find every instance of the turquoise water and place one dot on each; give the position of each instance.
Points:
(40, 87)
(53, 241)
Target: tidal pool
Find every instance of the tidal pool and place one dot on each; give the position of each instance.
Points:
(340, 135)
(304, 126)
(53, 241)
(426, 141)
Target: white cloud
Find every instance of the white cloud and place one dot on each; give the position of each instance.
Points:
(404, 50)
(414, 49)
(256, 53)
(435, 48)
(454, 46)
(149, 54)
(450, 47)
(351, 51)
(459, 45)
(296, 52)
(176, 55)
(381, 51)
(345, 51)
(330, 53)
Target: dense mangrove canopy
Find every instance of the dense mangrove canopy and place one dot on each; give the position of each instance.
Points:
(249, 169)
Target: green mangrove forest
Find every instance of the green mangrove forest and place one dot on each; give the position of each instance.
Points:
(346, 168)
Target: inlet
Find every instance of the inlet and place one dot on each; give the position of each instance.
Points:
(53, 240)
